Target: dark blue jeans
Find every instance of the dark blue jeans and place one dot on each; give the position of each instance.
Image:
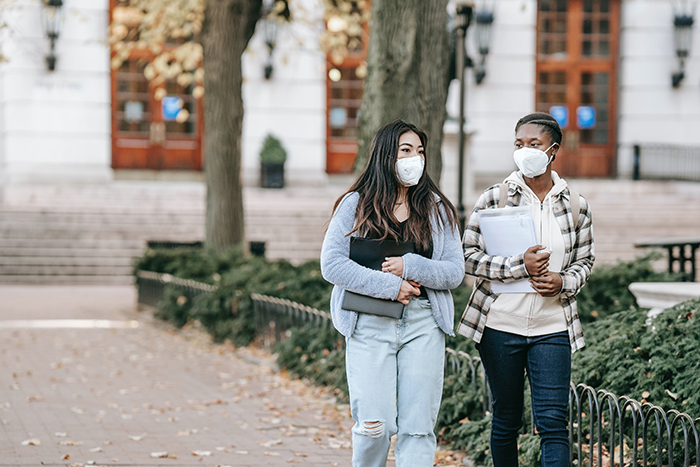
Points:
(547, 360)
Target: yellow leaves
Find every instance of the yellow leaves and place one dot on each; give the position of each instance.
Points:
(160, 94)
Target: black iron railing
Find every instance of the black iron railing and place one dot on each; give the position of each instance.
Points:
(276, 316)
(605, 430)
(151, 286)
(666, 162)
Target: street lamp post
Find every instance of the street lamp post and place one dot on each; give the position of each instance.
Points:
(51, 16)
(462, 20)
(683, 38)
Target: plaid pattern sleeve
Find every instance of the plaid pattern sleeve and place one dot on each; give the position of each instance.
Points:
(477, 262)
(583, 255)
(486, 268)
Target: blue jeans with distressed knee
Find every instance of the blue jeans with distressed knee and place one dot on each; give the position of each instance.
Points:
(395, 375)
(547, 359)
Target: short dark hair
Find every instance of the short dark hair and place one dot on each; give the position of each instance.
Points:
(548, 124)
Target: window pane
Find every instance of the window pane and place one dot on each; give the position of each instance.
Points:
(552, 28)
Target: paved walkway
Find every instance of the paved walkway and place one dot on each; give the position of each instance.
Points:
(130, 391)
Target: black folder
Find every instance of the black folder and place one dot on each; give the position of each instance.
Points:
(371, 253)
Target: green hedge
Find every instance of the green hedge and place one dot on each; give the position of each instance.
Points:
(622, 354)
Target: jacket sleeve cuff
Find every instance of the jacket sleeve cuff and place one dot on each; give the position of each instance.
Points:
(399, 281)
(566, 284)
(517, 267)
(407, 266)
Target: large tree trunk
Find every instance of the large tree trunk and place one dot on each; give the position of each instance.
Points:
(228, 26)
(407, 65)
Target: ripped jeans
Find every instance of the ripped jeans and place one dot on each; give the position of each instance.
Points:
(395, 373)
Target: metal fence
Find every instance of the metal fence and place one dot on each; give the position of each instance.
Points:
(605, 430)
(151, 286)
(666, 162)
(276, 316)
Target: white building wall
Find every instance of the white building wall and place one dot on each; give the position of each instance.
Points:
(650, 109)
(494, 106)
(56, 124)
(292, 104)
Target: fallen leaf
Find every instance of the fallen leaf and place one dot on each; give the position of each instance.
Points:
(201, 453)
(69, 442)
(137, 437)
(60, 434)
(31, 442)
(672, 395)
(65, 457)
(300, 454)
(159, 455)
(34, 398)
(242, 452)
(269, 444)
(97, 449)
(645, 394)
(271, 454)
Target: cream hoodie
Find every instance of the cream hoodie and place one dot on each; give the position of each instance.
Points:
(532, 314)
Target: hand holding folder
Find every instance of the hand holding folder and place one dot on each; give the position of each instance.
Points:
(508, 232)
(370, 254)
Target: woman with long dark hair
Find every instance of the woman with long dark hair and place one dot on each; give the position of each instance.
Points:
(537, 331)
(395, 365)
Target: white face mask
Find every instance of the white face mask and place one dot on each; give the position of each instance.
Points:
(532, 162)
(409, 170)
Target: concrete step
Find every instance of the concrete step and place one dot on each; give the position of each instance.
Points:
(66, 270)
(68, 261)
(66, 279)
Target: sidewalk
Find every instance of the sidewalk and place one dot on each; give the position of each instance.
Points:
(127, 389)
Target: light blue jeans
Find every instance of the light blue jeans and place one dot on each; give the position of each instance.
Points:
(395, 374)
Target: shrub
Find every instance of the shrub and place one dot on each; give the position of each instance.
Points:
(656, 363)
(272, 151)
(607, 290)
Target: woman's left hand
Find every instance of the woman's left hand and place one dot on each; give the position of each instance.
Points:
(394, 265)
(548, 284)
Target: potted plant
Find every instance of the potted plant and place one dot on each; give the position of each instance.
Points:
(272, 158)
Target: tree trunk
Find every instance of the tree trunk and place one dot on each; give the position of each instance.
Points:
(407, 65)
(228, 26)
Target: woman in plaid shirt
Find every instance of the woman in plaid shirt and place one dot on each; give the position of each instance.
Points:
(535, 331)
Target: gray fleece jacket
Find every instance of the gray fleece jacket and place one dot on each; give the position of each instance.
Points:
(439, 274)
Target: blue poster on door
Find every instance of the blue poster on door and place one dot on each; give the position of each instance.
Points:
(560, 114)
(171, 107)
(585, 116)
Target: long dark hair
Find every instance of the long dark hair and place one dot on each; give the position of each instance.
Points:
(378, 187)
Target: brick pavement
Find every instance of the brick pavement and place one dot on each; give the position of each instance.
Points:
(114, 396)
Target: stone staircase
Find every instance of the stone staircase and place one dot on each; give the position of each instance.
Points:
(91, 234)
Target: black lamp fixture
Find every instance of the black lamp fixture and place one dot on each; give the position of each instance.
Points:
(484, 21)
(270, 25)
(52, 17)
(682, 39)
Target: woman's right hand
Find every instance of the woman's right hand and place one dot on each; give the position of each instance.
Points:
(536, 263)
(408, 290)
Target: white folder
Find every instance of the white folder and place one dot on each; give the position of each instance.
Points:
(508, 231)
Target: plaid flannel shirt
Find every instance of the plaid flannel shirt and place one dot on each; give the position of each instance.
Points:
(578, 261)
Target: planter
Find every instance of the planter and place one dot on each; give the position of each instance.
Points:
(271, 175)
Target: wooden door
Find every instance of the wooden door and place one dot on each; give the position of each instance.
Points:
(153, 127)
(577, 43)
(344, 89)
(344, 97)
